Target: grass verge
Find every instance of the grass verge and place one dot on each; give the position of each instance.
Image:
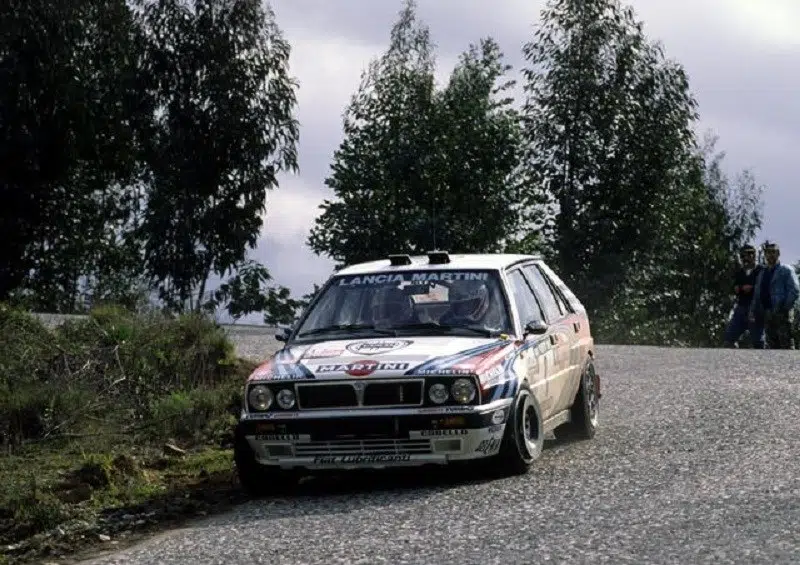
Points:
(110, 427)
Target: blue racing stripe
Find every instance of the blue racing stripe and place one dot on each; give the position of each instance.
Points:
(439, 363)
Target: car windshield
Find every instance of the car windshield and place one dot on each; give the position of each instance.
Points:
(446, 302)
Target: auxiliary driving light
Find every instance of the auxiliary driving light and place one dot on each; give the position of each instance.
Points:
(285, 398)
(438, 393)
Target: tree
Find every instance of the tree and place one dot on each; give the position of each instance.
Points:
(683, 294)
(70, 110)
(249, 291)
(225, 128)
(416, 163)
(608, 125)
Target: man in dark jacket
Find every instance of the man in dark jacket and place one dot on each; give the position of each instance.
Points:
(743, 287)
(776, 293)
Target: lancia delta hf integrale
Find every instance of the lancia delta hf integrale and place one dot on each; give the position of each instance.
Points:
(411, 361)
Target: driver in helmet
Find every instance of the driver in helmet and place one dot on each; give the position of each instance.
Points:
(469, 303)
(392, 308)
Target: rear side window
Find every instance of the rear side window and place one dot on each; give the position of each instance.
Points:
(545, 294)
(527, 306)
(565, 291)
(563, 303)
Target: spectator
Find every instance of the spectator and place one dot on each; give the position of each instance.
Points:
(776, 292)
(744, 283)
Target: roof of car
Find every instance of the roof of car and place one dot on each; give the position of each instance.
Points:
(457, 261)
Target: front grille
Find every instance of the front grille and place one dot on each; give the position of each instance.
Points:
(363, 447)
(392, 394)
(326, 396)
(320, 396)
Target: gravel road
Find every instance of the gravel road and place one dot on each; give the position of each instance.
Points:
(696, 462)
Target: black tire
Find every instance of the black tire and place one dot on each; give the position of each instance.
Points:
(585, 410)
(519, 449)
(255, 479)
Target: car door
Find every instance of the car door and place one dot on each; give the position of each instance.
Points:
(537, 354)
(574, 318)
(561, 377)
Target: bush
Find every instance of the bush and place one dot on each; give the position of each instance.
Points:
(115, 372)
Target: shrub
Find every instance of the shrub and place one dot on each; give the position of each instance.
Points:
(117, 371)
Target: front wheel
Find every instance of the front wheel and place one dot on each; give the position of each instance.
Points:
(523, 440)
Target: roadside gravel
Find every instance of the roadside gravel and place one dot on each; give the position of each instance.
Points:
(697, 461)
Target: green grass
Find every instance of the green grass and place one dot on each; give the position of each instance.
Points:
(85, 413)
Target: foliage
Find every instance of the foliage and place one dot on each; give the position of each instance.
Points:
(112, 371)
(608, 122)
(70, 116)
(248, 291)
(416, 161)
(634, 205)
(218, 71)
(91, 404)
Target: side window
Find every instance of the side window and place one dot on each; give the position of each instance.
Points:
(545, 294)
(563, 303)
(570, 298)
(527, 306)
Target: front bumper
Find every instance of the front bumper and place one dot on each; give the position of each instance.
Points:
(377, 439)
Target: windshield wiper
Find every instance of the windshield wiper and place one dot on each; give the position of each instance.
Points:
(346, 327)
(448, 328)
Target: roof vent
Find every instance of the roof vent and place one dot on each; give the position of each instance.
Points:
(399, 259)
(438, 257)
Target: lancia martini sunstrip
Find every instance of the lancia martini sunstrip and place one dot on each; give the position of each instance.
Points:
(412, 361)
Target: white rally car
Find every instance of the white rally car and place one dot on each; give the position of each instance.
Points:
(413, 361)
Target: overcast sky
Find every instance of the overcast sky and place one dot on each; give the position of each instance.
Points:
(741, 55)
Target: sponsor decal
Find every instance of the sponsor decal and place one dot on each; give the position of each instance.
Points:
(487, 446)
(429, 276)
(493, 375)
(446, 409)
(273, 376)
(281, 368)
(427, 433)
(278, 437)
(444, 372)
(273, 415)
(357, 459)
(323, 351)
(361, 368)
(378, 347)
(499, 416)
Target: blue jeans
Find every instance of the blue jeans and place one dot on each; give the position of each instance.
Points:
(739, 323)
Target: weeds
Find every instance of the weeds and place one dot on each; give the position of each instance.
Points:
(86, 409)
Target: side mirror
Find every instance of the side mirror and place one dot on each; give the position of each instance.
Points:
(535, 327)
(283, 332)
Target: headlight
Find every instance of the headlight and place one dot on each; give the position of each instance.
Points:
(438, 393)
(285, 398)
(260, 397)
(463, 391)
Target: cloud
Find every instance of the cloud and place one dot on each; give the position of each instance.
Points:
(291, 210)
(740, 55)
(765, 24)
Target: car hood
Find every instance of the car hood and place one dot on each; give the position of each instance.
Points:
(387, 358)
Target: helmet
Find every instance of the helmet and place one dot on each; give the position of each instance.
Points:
(469, 300)
(391, 307)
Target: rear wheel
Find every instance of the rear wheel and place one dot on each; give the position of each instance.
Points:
(585, 411)
(256, 479)
(523, 439)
